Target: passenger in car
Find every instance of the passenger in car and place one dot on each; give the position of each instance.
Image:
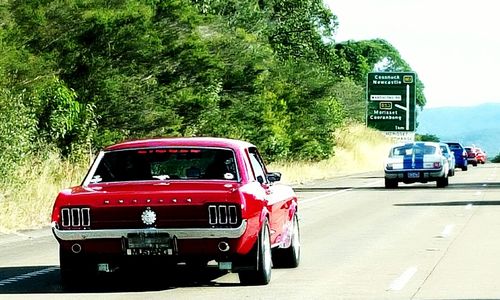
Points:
(193, 172)
(217, 168)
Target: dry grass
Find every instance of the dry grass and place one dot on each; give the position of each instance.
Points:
(27, 204)
(358, 149)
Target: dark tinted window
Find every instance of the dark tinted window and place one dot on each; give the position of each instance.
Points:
(454, 146)
(164, 164)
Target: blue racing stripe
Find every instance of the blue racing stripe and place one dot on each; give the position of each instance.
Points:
(407, 162)
(419, 161)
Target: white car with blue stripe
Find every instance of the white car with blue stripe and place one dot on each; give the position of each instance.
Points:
(416, 162)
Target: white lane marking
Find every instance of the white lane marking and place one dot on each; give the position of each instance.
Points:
(27, 275)
(447, 230)
(478, 193)
(325, 195)
(336, 192)
(400, 282)
(468, 206)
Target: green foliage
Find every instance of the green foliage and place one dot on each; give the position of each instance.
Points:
(426, 138)
(307, 91)
(61, 120)
(17, 128)
(496, 159)
(91, 73)
(299, 29)
(375, 55)
(352, 97)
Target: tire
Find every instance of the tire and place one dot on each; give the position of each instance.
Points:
(262, 274)
(451, 172)
(391, 183)
(464, 168)
(74, 270)
(289, 257)
(442, 182)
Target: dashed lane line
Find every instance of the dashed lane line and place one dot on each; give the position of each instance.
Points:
(337, 192)
(447, 230)
(27, 276)
(400, 282)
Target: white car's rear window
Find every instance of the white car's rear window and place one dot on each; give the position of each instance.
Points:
(413, 150)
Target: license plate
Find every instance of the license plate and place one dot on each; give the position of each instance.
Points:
(413, 174)
(149, 243)
(149, 252)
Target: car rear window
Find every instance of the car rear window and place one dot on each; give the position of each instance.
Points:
(413, 149)
(166, 163)
(454, 146)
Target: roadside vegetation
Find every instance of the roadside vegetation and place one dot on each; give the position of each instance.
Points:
(79, 75)
(496, 159)
(27, 203)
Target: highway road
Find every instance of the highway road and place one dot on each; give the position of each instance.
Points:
(359, 241)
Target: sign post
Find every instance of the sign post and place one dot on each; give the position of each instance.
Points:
(391, 101)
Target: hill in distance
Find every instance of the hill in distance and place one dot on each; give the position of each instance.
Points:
(472, 125)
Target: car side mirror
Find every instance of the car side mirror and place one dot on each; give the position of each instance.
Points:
(274, 176)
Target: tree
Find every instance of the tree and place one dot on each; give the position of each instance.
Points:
(375, 55)
(496, 159)
(426, 138)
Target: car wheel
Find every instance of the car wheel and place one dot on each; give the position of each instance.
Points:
(262, 275)
(442, 182)
(74, 270)
(289, 257)
(464, 168)
(391, 183)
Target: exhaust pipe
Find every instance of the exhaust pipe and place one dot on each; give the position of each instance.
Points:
(76, 248)
(223, 246)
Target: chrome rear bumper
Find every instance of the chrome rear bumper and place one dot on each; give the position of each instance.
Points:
(179, 233)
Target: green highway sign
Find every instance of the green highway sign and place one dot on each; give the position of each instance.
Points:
(391, 101)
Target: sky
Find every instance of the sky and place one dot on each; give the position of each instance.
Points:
(453, 45)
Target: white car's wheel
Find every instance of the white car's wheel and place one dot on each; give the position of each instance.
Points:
(391, 183)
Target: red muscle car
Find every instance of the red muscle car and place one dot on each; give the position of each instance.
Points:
(166, 201)
(480, 156)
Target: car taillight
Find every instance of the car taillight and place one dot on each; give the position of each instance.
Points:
(437, 165)
(222, 214)
(75, 217)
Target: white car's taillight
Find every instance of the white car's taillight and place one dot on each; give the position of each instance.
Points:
(437, 165)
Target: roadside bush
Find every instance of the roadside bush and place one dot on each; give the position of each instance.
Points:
(17, 128)
(496, 159)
